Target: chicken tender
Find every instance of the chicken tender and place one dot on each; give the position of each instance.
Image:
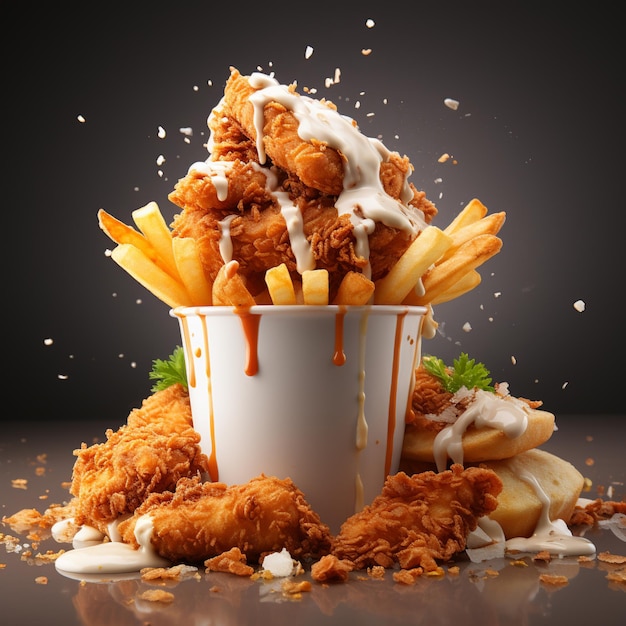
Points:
(150, 453)
(199, 521)
(419, 520)
(270, 194)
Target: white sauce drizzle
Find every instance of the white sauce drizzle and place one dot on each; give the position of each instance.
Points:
(507, 414)
(226, 243)
(551, 535)
(363, 196)
(114, 557)
(218, 172)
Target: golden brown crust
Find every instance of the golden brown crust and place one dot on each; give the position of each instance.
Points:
(419, 520)
(155, 448)
(199, 521)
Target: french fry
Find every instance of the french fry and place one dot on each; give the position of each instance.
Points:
(469, 256)
(280, 285)
(191, 271)
(355, 289)
(466, 283)
(473, 211)
(315, 286)
(229, 288)
(150, 275)
(416, 259)
(490, 224)
(151, 223)
(119, 232)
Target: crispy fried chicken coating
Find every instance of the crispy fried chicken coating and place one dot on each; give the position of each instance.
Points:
(150, 453)
(419, 520)
(199, 521)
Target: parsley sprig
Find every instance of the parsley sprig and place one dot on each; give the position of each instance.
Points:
(465, 372)
(169, 372)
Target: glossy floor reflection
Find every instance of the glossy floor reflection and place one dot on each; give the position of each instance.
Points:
(36, 462)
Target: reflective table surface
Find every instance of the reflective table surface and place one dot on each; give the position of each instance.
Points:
(35, 466)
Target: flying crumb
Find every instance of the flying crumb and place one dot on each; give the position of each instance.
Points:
(467, 327)
(160, 160)
(451, 104)
(161, 133)
(579, 305)
(513, 360)
(443, 158)
(370, 23)
(186, 130)
(48, 342)
(366, 52)
(308, 52)
(81, 119)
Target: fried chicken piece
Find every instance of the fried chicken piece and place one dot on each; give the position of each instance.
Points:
(298, 208)
(419, 520)
(150, 453)
(199, 521)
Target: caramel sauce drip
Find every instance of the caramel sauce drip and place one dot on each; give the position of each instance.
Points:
(250, 324)
(339, 357)
(391, 418)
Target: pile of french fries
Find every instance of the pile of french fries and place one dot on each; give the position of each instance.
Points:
(438, 266)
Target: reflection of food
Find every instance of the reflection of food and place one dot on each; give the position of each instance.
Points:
(201, 520)
(475, 423)
(419, 520)
(149, 454)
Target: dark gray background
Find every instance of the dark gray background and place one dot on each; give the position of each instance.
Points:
(538, 134)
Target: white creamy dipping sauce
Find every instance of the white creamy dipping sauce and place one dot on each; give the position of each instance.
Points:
(114, 557)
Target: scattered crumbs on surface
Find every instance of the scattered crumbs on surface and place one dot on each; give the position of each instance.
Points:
(41, 580)
(519, 563)
(614, 559)
(467, 327)
(579, 305)
(408, 576)
(161, 134)
(81, 119)
(554, 580)
(451, 103)
(48, 341)
(543, 555)
(157, 595)
(308, 52)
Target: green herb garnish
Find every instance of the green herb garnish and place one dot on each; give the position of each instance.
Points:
(465, 372)
(170, 372)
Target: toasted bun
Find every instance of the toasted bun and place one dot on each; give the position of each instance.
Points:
(519, 506)
(481, 444)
